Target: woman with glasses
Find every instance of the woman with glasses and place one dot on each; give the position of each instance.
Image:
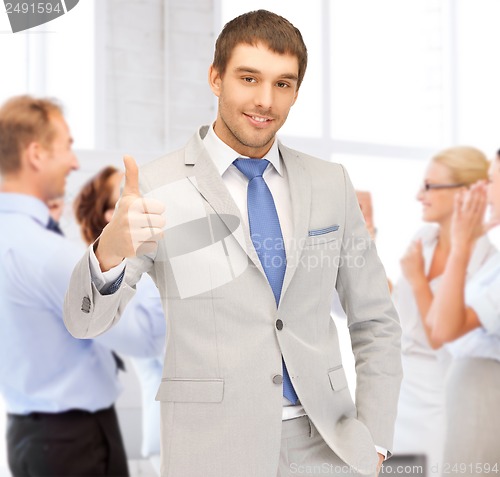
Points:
(420, 426)
(466, 311)
(141, 331)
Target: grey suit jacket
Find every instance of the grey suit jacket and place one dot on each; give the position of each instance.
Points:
(221, 394)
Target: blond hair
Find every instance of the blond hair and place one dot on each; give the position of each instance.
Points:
(465, 163)
(24, 119)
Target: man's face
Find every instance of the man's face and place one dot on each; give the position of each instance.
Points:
(255, 95)
(494, 188)
(58, 160)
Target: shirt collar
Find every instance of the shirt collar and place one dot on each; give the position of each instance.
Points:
(11, 203)
(223, 156)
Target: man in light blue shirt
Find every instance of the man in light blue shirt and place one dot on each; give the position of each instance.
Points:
(59, 391)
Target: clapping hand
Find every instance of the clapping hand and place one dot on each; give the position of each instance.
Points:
(468, 217)
(412, 263)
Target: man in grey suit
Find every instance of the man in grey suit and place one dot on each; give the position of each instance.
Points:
(248, 242)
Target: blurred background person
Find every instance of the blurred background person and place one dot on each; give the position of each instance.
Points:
(56, 209)
(59, 391)
(365, 204)
(140, 333)
(469, 309)
(420, 426)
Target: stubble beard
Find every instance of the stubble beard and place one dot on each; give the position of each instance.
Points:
(245, 140)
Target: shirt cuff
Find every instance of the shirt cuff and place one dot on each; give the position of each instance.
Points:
(102, 279)
(381, 450)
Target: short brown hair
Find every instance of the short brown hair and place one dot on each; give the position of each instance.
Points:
(24, 119)
(276, 32)
(92, 202)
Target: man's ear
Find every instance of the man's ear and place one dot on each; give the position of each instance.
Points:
(34, 155)
(214, 80)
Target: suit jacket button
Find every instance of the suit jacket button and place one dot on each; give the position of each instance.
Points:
(278, 379)
(279, 325)
(86, 304)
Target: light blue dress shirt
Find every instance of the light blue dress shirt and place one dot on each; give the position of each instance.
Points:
(42, 367)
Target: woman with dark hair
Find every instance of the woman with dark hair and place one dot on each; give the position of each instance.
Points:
(96, 201)
(141, 331)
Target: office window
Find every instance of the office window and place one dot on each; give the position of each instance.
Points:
(56, 59)
(389, 72)
(478, 74)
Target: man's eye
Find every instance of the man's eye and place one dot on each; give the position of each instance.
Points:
(282, 85)
(249, 79)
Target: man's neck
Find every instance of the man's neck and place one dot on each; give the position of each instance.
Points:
(19, 185)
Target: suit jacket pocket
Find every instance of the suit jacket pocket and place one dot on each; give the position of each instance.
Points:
(319, 239)
(190, 390)
(338, 379)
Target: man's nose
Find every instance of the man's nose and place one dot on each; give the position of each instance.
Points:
(264, 96)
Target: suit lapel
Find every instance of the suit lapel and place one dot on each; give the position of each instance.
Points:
(300, 192)
(205, 177)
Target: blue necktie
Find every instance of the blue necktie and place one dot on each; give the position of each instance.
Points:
(267, 239)
(53, 226)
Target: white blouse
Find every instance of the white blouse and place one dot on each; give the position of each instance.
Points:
(414, 340)
(482, 294)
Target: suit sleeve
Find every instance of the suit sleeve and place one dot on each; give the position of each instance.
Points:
(87, 312)
(141, 330)
(373, 325)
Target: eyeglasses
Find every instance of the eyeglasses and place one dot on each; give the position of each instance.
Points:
(427, 187)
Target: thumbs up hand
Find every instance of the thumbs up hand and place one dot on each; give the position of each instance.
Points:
(136, 226)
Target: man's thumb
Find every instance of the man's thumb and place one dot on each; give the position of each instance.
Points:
(131, 186)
